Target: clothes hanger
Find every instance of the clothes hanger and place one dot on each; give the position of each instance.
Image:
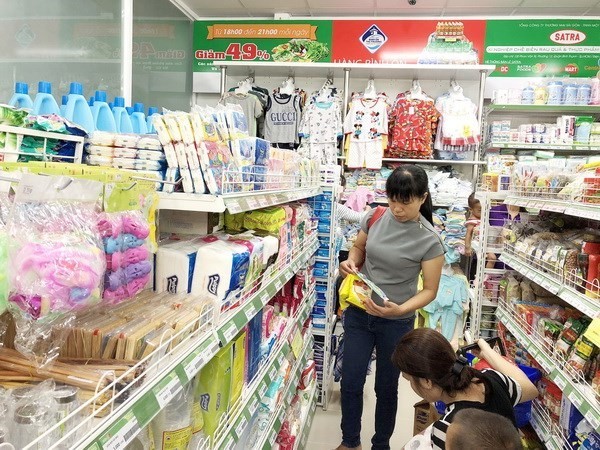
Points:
(288, 87)
(370, 92)
(244, 86)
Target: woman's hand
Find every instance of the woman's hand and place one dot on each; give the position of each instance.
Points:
(390, 310)
(348, 267)
(484, 348)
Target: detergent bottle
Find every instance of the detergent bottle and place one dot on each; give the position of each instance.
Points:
(44, 102)
(78, 110)
(104, 120)
(91, 102)
(122, 119)
(138, 119)
(63, 105)
(151, 111)
(21, 98)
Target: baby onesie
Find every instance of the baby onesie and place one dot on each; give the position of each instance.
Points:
(366, 123)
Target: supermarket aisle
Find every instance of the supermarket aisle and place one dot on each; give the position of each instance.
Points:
(326, 435)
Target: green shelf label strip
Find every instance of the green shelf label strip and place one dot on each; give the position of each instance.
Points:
(255, 201)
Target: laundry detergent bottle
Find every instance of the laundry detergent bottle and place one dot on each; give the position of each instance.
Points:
(44, 102)
(122, 119)
(63, 105)
(104, 120)
(138, 119)
(78, 110)
(21, 98)
(151, 111)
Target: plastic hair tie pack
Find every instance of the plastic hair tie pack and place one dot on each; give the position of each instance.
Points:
(56, 261)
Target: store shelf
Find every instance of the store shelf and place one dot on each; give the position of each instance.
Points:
(307, 418)
(582, 148)
(391, 71)
(586, 305)
(490, 196)
(234, 203)
(557, 109)
(235, 321)
(267, 442)
(180, 368)
(441, 162)
(580, 393)
(571, 208)
(546, 430)
(241, 414)
(22, 132)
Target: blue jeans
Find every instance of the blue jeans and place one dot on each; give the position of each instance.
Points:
(362, 333)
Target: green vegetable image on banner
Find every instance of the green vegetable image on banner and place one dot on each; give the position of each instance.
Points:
(543, 48)
(261, 41)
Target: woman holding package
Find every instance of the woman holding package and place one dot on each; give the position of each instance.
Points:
(391, 250)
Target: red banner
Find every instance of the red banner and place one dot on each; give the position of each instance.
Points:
(408, 41)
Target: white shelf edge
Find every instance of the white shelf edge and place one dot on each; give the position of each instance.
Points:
(442, 162)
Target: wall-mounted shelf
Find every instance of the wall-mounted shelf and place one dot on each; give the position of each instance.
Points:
(552, 109)
(587, 211)
(583, 148)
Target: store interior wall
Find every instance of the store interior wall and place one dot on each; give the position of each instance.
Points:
(80, 40)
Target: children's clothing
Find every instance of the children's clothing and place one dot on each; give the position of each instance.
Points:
(366, 123)
(320, 129)
(282, 119)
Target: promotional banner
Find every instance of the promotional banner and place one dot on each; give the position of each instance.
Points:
(520, 48)
(279, 41)
(408, 41)
(542, 48)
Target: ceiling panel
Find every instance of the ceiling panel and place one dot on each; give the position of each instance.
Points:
(549, 12)
(286, 5)
(565, 5)
(340, 5)
(468, 4)
(403, 6)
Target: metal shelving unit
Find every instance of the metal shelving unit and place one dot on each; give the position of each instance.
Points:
(20, 133)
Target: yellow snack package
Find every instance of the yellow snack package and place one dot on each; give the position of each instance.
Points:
(353, 291)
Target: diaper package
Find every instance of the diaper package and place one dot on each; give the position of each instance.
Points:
(267, 219)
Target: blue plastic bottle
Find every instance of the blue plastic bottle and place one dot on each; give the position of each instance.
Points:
(122, 119)
(129, 110)
(78, 110)
(21, 98)
(63, 105)
(138, 119)
(44, 102)
(91, 102)
(151, 111)
(103, 116)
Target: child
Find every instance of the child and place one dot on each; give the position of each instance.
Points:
(473, 223)
(475, 429)
(428, 361)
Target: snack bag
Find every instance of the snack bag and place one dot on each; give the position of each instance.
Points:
(354, 291)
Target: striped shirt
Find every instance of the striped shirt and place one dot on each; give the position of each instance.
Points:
(348, 214)
(504, 396)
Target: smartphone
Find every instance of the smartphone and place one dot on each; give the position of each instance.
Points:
(494, 342)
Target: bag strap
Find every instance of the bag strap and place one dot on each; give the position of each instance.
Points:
(379, 212)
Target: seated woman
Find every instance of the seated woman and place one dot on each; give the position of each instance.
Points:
(436, 373)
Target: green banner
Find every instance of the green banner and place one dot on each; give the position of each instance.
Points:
(251, 40)
(543, 48)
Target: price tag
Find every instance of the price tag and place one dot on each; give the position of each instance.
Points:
(263, 202)
(561, 382)
(234, 206)
(253, 406)
(239, 430)
(576, 400)
(263, 390)
(297, 343)
(252, 203)
(593, 420)
(250, 312)
(123, 436)
(280, 360)
(272, 439)
(265, 297)
(164, 394)
(273, 374)
(194, 366)
(229, 443)
(230, 332)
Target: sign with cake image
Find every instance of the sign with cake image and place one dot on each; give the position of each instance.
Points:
(449, 45)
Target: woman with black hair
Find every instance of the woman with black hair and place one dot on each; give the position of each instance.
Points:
(391, 250)
(435, 372)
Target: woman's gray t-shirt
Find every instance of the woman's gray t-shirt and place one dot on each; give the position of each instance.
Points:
(395, 251)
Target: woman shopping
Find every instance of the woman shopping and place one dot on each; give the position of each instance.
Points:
(391, 250)
(436, 373)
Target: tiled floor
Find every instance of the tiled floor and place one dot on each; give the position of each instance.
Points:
(326, 435)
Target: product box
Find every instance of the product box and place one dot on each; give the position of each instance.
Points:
(425, 415)
(238, 372)
(188, 222)
(569, 416)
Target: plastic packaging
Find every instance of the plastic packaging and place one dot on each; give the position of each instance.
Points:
(122, 119)
(103, 116)
(56, 263)
(151, 111)
(78, 110)
(21, 98)
(44, 102)
(172, 428)
(138, 119)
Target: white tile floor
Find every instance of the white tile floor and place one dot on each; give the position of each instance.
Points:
(326, 434)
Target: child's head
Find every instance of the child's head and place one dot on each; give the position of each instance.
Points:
(474, 205)
(475, 429)
(428, 361)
